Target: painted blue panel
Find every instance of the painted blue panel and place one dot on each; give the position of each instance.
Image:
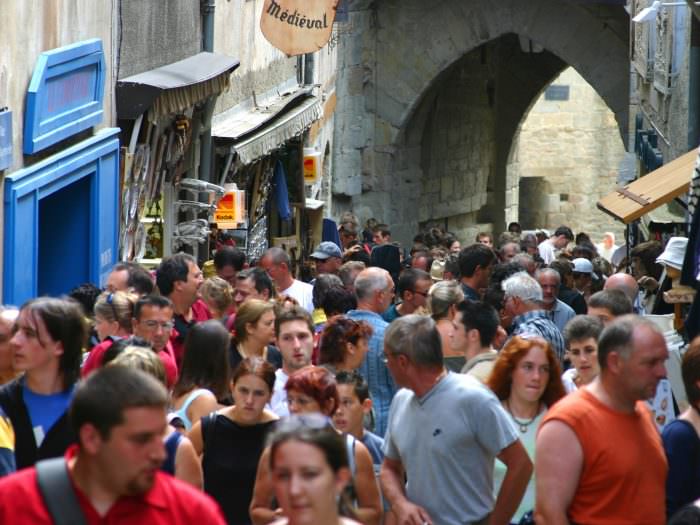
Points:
(5, 139)
(93, 163)
(65, 94)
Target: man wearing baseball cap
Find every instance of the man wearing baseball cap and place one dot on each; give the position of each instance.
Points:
(582, 273)
(327, 257)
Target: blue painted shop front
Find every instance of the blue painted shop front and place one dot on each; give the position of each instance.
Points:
(61, 220)
(61, 215)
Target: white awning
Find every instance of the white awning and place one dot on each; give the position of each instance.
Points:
(259, 131)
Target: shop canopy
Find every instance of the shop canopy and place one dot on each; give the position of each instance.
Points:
(628, 203)
(175, 87)
(256, 131)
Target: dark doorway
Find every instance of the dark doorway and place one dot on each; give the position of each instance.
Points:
(64, 238)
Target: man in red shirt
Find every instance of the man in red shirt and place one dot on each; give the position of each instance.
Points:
(153, 321)
(119, 415)
(179, 278)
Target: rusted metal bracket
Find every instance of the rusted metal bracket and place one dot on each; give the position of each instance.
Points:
(636, 198)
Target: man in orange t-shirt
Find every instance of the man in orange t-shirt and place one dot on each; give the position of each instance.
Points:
(599, 458)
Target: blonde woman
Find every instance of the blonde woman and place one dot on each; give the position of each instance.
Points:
(255, 330)
(113, 316)
(443, 298)
(218, 296)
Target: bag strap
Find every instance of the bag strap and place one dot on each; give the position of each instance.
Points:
(58, 493)
(350, 450)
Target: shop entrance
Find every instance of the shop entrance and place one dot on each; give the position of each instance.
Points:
(60, 220)
(64, 235)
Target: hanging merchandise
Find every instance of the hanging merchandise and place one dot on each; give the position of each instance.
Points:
(257, 240)
(281, 193)
(159, 158)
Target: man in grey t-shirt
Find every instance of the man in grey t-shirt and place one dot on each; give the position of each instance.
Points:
(444, 432)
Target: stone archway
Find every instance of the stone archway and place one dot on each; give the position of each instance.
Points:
(397, 71)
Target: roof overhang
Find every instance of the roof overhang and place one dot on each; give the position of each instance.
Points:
(630, 202)
(254, 133)
(173, 87)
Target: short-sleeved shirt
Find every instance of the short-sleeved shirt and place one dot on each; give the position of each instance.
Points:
(538, 322)
(391, 313)
(374, 444)
(682, 447)
(45, 409)
(168, 502)
(373, 368)
(96, 356)
(303, 293)
(546, 249)
(447, 441)
(561, 314)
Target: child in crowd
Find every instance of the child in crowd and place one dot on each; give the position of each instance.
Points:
(355, 404)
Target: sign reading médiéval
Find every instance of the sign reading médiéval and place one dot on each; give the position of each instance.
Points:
(296, 27)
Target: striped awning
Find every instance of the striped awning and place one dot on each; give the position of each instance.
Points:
(257, 132)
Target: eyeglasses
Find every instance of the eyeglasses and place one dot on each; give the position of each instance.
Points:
(424, 294)
(153, 325)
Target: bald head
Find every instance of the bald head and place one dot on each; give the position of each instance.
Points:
(624, 282)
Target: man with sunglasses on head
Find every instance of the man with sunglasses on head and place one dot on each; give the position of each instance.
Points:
(412, 289)
(152, 321)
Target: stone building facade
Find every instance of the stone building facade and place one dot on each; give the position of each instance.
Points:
(565, 157)
(431, 96)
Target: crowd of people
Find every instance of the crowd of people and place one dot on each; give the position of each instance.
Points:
(494, 380)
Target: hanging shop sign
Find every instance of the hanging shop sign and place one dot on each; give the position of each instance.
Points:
(312, 165)
(65, 95)
(5, 139)
(296, 27)
(230, 211)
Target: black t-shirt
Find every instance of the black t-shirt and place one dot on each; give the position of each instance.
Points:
(230, 463)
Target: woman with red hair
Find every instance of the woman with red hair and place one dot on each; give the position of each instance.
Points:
(527, 379)
(312, 389)
(344, 344)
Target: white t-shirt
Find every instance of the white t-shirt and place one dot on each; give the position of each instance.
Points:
(303, 293)
(546, 249)
(278, 401)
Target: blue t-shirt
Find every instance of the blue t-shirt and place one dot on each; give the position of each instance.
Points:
(374, 444)
(682, 447)
(45, 410)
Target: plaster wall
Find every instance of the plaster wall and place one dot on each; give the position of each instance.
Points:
(35, 26)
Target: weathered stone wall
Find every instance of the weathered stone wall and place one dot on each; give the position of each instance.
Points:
(155, 34)
(401, 51)
(574, 150)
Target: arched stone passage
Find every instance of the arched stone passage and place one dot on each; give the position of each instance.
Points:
(399, 78)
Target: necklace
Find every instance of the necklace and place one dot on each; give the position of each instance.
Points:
(523, 425)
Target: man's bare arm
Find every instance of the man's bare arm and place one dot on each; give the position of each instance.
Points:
(558, 465)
